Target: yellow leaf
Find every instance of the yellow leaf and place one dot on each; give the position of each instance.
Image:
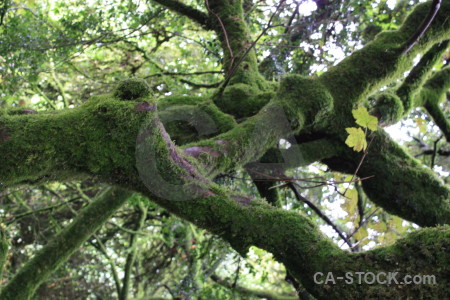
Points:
(422, 125)
(363, 118)
(351, 202)
(361, 234)
(379, 226)
(356, 139)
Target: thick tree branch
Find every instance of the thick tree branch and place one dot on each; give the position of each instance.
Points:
(408, 189)
(419, 74)
(439, 118)
(423, 26)
(381, 61)
(63, 245)
(433, 92)
(185, 10)
(131, 257)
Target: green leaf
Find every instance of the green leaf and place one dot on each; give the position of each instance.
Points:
(356, 139)
(363, 118)
(361, 234)
(351, 202)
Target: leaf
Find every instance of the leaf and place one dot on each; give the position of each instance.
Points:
(421, 124)
(378, 226)
(363, 118)
(361, 234)
(351, 202)
(356, 139)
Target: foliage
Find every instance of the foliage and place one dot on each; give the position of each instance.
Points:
(58, 54)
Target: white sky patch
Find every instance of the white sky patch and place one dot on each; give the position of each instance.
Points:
(391, 4)
(398, 133)
(441, 172)
(338, 27)
(337, 53)
(318, 68)
(306, 8)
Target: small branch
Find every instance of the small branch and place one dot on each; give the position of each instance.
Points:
(423, 27)
(131, 258)
(224, 31)
(252, 45)
(439, 118)
(102, 249)
(182, 73)
(64, 244)
(433, 156)
(201, 85)
(363, 222)
(360, 162)
(38, 211)
(319, 213)
(187, 11)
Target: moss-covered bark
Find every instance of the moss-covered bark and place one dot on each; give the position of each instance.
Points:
(48, 259)
(400, 184)
(432, 94)
(120, 140)
(381, 61)
(419, 74)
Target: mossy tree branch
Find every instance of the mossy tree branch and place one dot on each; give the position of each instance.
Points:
(419, 74)
(64, 244)
(439, 118)
(381, 61)
(104, 138)
(400, 184)
(186, 10)
(432, 94)
(390, 106)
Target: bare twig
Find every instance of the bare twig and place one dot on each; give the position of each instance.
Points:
(320, 214)
(224, 30)
(433, 156)
(360, 162)
(247, 51)
(424, 26)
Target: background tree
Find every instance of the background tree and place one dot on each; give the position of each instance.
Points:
(243, 131)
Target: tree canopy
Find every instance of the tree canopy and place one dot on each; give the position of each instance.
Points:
(224, 149)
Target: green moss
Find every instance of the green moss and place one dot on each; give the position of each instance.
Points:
(242, 100)
(131, 89)
(96, 138)
(434, 89)
(305, 99)
(381, 61)
(415, 80)
(388, 108)
(410, 190)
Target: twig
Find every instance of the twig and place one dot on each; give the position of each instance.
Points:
(224, 33)
(320, 214)
(247, 51)
(360, 162)
(38, 211)
(363, 222)
(423, 27)
(433, 156)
